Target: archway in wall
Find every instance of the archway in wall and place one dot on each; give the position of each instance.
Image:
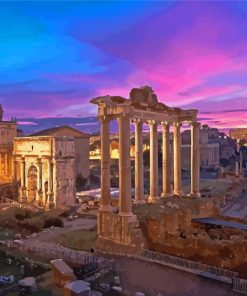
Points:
(32, 177)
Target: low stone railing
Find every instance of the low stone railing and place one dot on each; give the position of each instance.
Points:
(205, 270)
(5, 200)
(239, 285)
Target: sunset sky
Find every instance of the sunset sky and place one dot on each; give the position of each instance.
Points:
(56, 56)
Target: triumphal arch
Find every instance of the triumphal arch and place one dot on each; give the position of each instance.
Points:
(45, 170)
(141, 107)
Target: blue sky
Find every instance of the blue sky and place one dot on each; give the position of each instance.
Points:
(56, 56)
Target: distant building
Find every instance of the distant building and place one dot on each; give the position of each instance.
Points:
(227, 152)
(95, 153)
(8, 131)
(209, 155)
(47, 164)
(209, 152)
(81, 146)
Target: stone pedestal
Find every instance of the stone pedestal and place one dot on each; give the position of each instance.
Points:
(119, 229)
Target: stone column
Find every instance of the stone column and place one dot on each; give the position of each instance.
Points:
(237, 168)
(154, 177)
(40, 182)
(23, 180)
(195, 159)
(105, 205)
(241, 162)
(6, 166)
(125, 203)
(15, 169)
(166, 163)
(139, 190)
(49, 177)
(1, 172)
(50, 184)
(237, 163)
(177, 159)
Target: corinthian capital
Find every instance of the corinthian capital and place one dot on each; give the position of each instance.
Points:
(104, 118)
(195, 124)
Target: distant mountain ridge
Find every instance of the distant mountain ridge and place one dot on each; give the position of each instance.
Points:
(89, 125)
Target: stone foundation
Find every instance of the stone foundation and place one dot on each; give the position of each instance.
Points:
(119, 230)
(107, 246)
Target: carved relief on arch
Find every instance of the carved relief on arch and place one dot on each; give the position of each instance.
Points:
(32, 183)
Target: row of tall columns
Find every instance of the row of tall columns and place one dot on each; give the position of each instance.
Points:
(125, 203)
(5, 160)
(166, 163)
(125, 163)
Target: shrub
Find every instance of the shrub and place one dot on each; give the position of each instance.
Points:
(57, 222)
(28, 227)
(20, 217)
(80, 182)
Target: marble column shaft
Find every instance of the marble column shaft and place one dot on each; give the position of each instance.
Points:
(125, 203)
(23, 180)
(49, 177)
(166, 163)
(241, 162)
(139, 191)
(195, 159)
(105, 165)
(154, 177)
(238, 164)
(23, 173)
(177, 160)
(6, 164)
(39, 179)
(40, 176)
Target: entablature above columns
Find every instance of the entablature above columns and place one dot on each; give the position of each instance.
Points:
(145, 116)
(142, 106)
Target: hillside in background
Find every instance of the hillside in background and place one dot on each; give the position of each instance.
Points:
(88, 125)
(32, 125)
